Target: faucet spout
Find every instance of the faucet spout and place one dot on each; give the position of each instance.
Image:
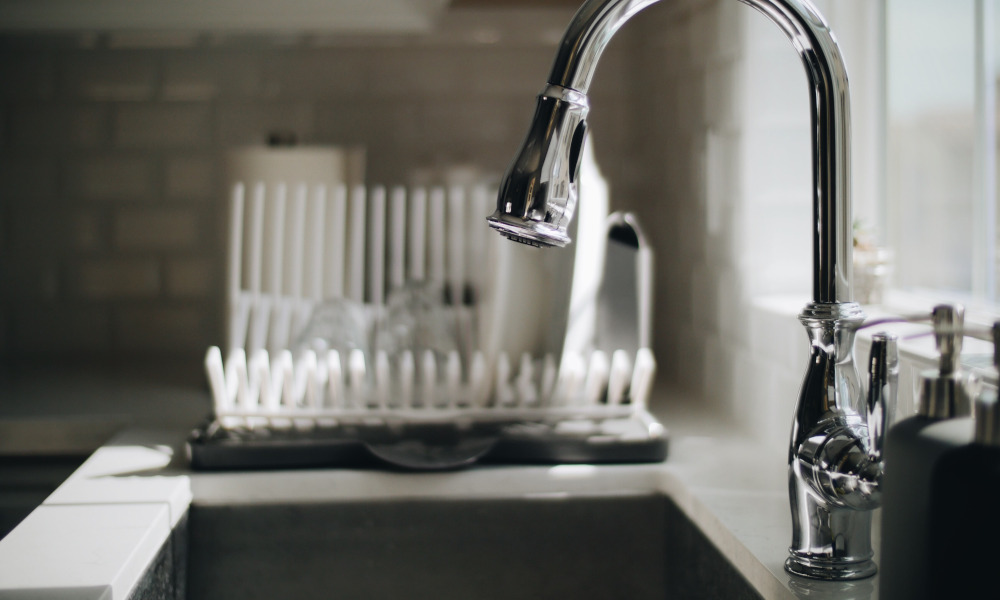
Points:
(538, 192)
(538, 196)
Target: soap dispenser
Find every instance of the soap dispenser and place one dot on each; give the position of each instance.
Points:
(914, 448)
(965, 490)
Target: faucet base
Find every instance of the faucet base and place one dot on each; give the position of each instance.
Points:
(829, 569)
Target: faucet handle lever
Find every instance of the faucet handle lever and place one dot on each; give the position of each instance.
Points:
(883, 378)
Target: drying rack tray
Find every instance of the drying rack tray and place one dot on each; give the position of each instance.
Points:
(354, 404)
(430, 445)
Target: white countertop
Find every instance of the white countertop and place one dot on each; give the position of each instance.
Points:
(732, 487)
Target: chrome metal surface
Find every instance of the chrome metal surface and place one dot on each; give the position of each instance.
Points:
(949, 322)
(944, 392)
(539, 190)
(624, 300)
(536, 202)
(539, 193)
(836, 464)
(987, 419)
(987, 409)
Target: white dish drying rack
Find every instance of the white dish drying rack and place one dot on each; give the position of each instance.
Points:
(294, 247)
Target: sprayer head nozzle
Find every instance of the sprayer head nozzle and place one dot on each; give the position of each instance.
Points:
(532, 233)
(539, 190)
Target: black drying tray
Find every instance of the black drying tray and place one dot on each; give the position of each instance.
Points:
(429, 446)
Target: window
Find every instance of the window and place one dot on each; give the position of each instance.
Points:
(941, 154)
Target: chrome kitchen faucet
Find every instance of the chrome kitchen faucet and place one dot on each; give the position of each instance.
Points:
(835, 465)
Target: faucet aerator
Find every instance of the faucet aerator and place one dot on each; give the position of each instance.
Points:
(526, 231)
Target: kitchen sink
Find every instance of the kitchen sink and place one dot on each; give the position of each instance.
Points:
(551, 545)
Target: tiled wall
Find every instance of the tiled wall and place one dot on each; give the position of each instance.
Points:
(111, 206)
(111, 153)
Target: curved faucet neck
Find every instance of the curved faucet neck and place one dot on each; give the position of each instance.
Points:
(597, 21)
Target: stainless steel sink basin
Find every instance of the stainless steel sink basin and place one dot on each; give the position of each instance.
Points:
(633, 546)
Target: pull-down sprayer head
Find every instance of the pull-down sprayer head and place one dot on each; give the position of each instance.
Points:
(539, 190)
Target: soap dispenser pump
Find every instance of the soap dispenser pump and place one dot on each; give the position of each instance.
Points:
(966, 487)
(914, 447)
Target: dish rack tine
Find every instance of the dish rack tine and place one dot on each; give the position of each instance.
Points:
(642, 377)
(251, 323)
(382, 379)
(456, 244)
(356, 376)
(272, 321)
(428, 375)
(397, 238)
(356, 253)
(596, 381)
(235, 326)
(288, 252)
(475, 245)
(335, 380)
(376, 246)
(295, 243)
(418, 223)
(216, 373)
(317, 222)
(283, 387)
(453, 379)
(527, 394)
(619, 376)
(336, 239)
(436, 236)
(407, 373)
(478, 380)
(548, 381)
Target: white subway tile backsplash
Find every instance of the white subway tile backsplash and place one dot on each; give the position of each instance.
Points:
(36, 230)
(704, 298)
(126, 176)
(163, 125)
(776, 89)
(483, 122)
(114, 278)
(27, 76)
(157, 228)
(682, 130)
(27, 176)
(56, 126)
(191, 278)
(189, 80)
(424, 73)
(243, 123)
(324, 74)
(724, 94)
(349, 122)
(200, 76)
(191, 177)
(730, 305)
(777, 160)
(165, 329)
(51, 329)
(518, 74)
(34, 280)
(111, 76)
(89, 230)
(726, 34)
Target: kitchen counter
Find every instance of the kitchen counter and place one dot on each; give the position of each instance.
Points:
(122, 504)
